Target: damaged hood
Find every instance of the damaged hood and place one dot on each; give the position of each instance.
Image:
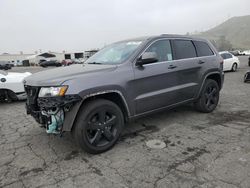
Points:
(57, 76)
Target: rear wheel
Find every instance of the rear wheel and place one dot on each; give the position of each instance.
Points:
(209, 97)
(98, 126)
(234, 67)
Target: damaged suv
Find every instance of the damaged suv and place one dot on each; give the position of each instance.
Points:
(124, 81)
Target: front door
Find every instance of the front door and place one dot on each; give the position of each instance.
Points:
(154, 83)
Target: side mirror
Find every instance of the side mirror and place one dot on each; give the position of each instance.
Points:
(146, 58)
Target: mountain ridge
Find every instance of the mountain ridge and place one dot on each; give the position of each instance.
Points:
(235, 30)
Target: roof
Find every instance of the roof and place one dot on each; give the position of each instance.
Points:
(144, 38)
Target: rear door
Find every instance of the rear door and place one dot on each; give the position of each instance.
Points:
(188, 69)
(227, 61)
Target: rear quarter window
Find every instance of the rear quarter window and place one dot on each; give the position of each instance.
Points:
(183, 49)
(203, 49)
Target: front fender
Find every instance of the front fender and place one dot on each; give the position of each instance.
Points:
(72, 114)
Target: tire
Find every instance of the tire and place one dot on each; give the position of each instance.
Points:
(98, 126)
(234, 67)
(209, 97)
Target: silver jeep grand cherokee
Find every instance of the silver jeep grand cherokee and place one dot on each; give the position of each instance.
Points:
(124, 81)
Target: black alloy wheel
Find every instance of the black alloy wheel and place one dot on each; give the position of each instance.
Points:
(102, 127)
(209, 97)
(98, 126)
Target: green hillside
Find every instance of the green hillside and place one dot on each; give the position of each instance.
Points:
(234, 32)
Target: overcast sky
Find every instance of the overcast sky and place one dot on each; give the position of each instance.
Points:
(76, 25)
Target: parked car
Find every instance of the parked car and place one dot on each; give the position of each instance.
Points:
(231, 62)
(11, 86)
(77, 61)
(122, 82)
(50, 63)
(5, 65)
(235, 52)
(67, 62)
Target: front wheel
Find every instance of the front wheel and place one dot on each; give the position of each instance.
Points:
(209, 97)
(98, 126)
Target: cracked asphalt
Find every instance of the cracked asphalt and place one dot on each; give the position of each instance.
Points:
(202, 150)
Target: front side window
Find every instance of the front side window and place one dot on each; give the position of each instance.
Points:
(163, 50)
(184, 49)
(115, 53)
(203, 49)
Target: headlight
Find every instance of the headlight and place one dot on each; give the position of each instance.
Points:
(52, 91)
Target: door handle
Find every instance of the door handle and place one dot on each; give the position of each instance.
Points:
(172, 66)
(201, 62)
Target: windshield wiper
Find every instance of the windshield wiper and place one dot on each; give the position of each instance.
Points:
(95, 63)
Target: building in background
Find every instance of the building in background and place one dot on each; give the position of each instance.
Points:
(47, 56)
(34, 59)
(89, 53)
(15, 59)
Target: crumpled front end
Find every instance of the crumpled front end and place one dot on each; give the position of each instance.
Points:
(56, 114)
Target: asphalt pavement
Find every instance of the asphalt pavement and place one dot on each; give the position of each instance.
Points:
(199, 150)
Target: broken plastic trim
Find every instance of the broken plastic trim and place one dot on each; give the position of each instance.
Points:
(54, 126)
(48, 103)
(54, 108)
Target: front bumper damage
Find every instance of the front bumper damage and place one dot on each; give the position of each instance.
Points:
(56, 114)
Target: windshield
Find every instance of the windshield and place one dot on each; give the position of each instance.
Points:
(115, 53)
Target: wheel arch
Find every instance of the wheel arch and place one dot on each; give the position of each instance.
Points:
(10, 93)
(111, 95)
(216, 76)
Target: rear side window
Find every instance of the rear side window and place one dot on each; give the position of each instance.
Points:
(226, 56)
(203, 49)
(223, 56)
(184, 49)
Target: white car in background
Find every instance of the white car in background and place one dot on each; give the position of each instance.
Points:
(11, 86)
(231, 62)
